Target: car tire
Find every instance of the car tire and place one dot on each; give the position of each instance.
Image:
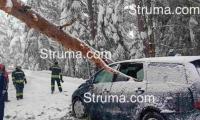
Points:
(78, 109)
(153, 116)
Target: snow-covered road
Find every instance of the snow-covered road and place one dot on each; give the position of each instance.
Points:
(38, 102)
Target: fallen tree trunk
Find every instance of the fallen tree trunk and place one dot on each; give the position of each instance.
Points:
(32, 19)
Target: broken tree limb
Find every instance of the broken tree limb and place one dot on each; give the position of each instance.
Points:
(68, 23)
(32, 19)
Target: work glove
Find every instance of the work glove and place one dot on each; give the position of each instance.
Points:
(62, 81)
(61, 78)
(25, 81)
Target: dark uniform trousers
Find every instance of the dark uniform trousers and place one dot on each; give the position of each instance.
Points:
(19, 90)
(2, 105)
(19, 80)
(56, 77)
(53, 81)
(2, 93)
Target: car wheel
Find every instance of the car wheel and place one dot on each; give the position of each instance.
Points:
(78, 109)
(153, 116)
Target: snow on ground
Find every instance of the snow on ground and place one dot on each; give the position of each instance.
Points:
(38, 102)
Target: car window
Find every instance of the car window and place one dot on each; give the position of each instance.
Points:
(166, 72)
(120, 77)
(134, 70)
(197, 65)
(140, 74)
(114, 66)
(103, 76)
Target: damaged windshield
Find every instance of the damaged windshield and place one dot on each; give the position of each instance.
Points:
(197, 65)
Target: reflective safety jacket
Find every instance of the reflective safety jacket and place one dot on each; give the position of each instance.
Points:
(18, 77)
(56, 72)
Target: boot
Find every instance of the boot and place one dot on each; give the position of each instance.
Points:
(21, 97)
(60, 90)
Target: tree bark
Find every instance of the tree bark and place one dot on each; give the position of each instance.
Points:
(142, 29)
(37, 22)
(92, 18)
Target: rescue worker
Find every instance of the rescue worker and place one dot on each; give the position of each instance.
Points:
(18, 78)
(6, 78)
(2, 91)
(56, 76)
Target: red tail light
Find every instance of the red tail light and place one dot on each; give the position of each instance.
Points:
(197, 105)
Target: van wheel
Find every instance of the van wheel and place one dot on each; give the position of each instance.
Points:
(78, 109)
(153, 116)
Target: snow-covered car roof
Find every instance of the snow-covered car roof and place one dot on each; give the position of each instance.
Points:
(175, 59)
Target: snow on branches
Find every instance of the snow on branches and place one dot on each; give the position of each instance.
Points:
(35, 18)
(9, 6)
(39, 23)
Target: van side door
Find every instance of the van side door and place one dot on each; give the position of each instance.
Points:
(101, 87)
(128, 89)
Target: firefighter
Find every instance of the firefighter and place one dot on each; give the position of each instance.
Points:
(19, 79)
(56, 76)
(2, 91)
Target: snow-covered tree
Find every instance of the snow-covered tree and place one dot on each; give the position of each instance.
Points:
(12, 40)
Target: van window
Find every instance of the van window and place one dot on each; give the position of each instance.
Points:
(134, 70)
(103, 76)
(197, 65)
(166, 72)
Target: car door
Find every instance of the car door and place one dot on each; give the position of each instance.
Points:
(126, 89)
(103, 80)
(101, 87)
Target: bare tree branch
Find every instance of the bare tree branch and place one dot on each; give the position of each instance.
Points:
(69, 23)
